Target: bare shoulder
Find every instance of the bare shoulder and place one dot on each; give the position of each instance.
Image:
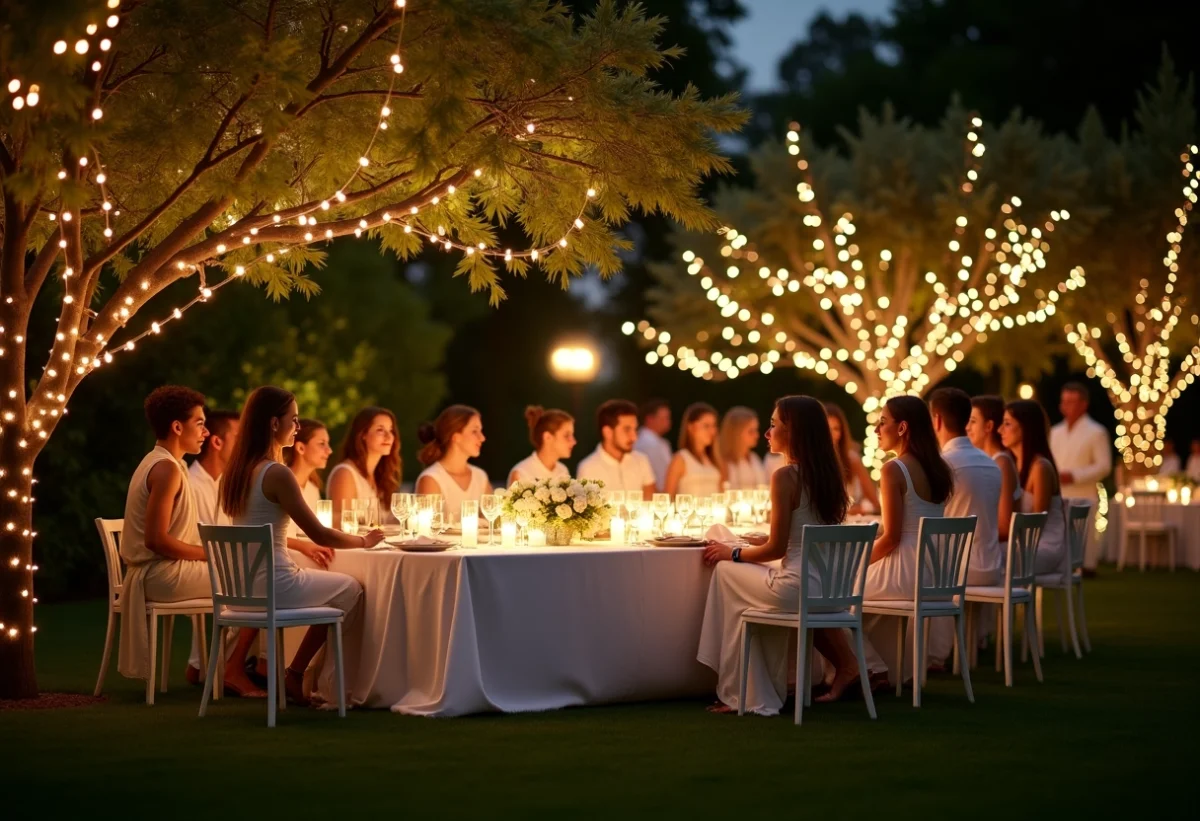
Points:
(787, 478)
(165, 473)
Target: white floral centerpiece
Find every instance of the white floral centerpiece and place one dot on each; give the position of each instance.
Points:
(560, 507)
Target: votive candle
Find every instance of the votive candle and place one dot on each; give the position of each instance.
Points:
(470, 531)
(324, 512)
(537, 537)
(673, 526)
(425, 522)
(616, 529)
(508, 533)
(718, 514)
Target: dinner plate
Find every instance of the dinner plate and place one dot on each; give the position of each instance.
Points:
(679, 542)
(425, 548)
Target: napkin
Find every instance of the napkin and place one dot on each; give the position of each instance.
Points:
(720, 533)
(670, 539)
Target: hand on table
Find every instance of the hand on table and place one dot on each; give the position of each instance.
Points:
(718, 552)
(372, 538)
(321, 556)
(756, 538)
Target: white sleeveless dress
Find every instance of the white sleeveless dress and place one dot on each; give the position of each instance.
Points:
(736, 588)
(362, 490)
(894, 578)
(746, 474)
(452, 493)
(1052, 547)
(531, 469)
(699, 479)
(312, 495)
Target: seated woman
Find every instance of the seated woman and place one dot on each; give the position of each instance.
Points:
(368, 464)
(983, 429)
(257, 490)
(1026, 432)
(806, 491)
(739, 434)
(863, 498)
(916, 483)
(696, 467)
(552, 433)
(453, 438)
(309, 454)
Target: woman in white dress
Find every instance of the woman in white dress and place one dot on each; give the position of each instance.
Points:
(552, 433)
(368, 464)
(1026, 432)
(309, 454)
(863, 498)
(916, 483)
(256, 490)
(739, 434)
(454, 437)
(696, 468)
(983, 429)
(805, 491)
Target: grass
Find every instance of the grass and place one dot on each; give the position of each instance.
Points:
(1111, 734)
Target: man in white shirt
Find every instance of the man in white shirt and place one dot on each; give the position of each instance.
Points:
(977, 486)
(206, 469)
(656, 422)
(614, 461)
(1082, 450)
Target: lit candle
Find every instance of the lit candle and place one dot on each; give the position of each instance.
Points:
(508, 533)
(537, 537)
(673, 526)
(325, 512)
(425, 522)
(470, 531)
(718, 514)
(1185, 495)
(1172, 496)
(645, 524)
(1152, 484)
(616, 529)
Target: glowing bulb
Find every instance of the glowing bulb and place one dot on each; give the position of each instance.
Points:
(60, 47)
(81, 46)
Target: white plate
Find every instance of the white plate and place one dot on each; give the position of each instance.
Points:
(679, 542)
(424, 548)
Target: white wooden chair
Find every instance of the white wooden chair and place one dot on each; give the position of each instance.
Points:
(1069, 581)
(943, 556)
(839, 553)
(1024, 533)
(236, 556)
(1144, 519)
(110, 535)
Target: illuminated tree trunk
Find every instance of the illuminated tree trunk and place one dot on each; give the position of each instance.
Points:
(17, 671)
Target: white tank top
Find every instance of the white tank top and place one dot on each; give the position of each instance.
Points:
(260, 510)
(452, 493)
(184, 522)
(698, 478)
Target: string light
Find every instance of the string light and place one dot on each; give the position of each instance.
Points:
(1142, 334)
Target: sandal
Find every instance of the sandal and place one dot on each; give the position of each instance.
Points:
(721, 708)
(233, 691)
(293, 685)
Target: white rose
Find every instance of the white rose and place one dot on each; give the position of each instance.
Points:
(564, 512)
(558, 495)
(595, 498)
(575, 489)
(580, 504)
(542, 494)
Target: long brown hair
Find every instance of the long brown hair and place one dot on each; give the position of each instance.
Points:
(810, 449)
(1035, 434)
(436, 436)
(923, 444)
(736, 420)
(255, 442)
(695, 412)
(308, 429)
(991, 408)
(542, 421)
(353, 449)
(842, 447)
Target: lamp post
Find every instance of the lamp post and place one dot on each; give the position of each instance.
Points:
(576, 364)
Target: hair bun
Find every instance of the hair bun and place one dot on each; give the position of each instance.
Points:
(533, 414)
(426, 433)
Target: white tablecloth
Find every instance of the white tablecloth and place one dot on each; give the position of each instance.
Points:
(1185, 519)
(490, 629)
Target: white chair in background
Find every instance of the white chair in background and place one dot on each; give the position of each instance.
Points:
(1143, 518)
(943, 555)
(1069, 580)
(1024, 533)
(110, 535)
(840, 554)
(236, 556)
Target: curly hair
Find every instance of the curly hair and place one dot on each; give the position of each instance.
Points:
(170, 403)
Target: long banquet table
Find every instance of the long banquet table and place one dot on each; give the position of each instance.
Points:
(1184, 518)
(517, 629)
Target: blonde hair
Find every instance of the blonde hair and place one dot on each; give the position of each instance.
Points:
(695, 412)
(735, 421)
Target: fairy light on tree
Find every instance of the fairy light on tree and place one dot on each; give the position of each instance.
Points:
(136, 153)
(888, 309)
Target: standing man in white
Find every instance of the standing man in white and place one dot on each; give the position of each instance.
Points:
(207, 468)
(651, 439)
(1082, 450)
(978, 484)
(614, 461)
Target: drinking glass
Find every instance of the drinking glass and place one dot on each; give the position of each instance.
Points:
(661, 505)
(762, 496)
(324, 511)
(439, 523)
(704, 510)
(737, 505)
(401, 503)
(522, 527)
(685, 503)
(490, 506)
(350, 522)
(721, 498)
(370, 513)
(616, 498)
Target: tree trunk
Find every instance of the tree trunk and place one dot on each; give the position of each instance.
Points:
(18, 678)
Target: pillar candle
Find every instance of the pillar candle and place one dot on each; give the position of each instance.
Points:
(1185, 495)
(470, 531)
(616, 529)
(508, 533)
(325, 512)
(537, 537)
(645, 524)
(1172, 496)
(673, 526)
(425, 523)
(718, 514)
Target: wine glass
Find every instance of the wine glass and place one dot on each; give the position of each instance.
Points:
(633, 507)
(685, 503)
(401, 503)
(660, 504)
(438, 523)
(522, 525)
(616, 498)
(489, 506)
(370, 513)
(762, 497)
(350, 522)
(704, 510)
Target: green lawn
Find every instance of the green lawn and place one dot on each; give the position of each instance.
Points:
(1108, 735)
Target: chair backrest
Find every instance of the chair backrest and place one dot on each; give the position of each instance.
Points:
(839, 554)
(236, 556)
(1078, 511)
(1024, 534)
(1147, 506)
(943, 555)
(110, 538)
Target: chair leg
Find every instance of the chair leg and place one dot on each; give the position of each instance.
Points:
(808, 663)
(282, 669)
(219, 652)
(925, 655)
(999, 638)
(153, 659)
(1007, 618)
(918, 657)
(802, 684)
(1037, 662)
(211, 676)
(1142, 552)
(1068, 598)
(198, 625)
(960, 643)
(901, 628)
(108, 641)
(168, 634)
(1083, 628)
(745, 668)
(272, 677)
(341, 669)
(864, 678)
(1059, 600)
(1171, 548)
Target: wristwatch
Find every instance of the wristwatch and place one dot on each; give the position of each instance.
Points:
(737, 554)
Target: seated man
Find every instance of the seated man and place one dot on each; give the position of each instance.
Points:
(160, 542)
(206, 469)
(614, 461)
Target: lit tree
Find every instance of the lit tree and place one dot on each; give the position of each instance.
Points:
(142, 143)
(1131, 350)
(890, 286)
